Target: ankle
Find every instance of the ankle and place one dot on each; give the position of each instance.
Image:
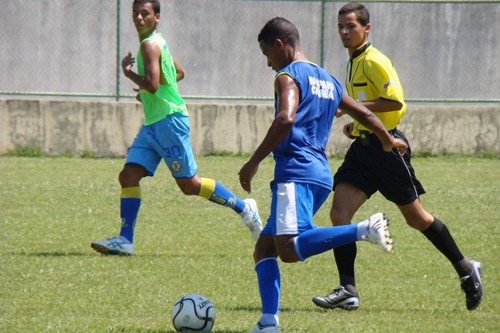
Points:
(463, 268)
(362, 230)
(269, 319)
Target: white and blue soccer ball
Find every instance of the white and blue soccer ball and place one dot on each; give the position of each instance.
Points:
(193, 313)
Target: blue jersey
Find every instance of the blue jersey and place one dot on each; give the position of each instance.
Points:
(301, 156)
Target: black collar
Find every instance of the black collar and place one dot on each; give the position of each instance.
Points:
(361, 50)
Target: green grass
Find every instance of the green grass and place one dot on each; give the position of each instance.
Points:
(52, 281)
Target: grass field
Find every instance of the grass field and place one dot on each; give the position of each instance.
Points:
(52, 281)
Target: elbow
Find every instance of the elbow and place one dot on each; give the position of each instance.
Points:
(287, 120)
(152, 89)
(392, 104)
(398, 105)
(286, 123)
(151, 85)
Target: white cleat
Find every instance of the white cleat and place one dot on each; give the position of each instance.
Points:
(378, 232)
(265, 329)
(117, 245)
(250, 216)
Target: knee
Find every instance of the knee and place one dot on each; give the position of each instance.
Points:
(259, 253)
(257, 256)
(189, 186)
(264, 248)
(288, 258)
(339, 217)
(128, 178)
(418, 221)
(287, 253)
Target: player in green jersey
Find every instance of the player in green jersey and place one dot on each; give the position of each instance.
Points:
(164, 135)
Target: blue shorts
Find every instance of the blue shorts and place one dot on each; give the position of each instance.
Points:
(167, 139)
(293, 206)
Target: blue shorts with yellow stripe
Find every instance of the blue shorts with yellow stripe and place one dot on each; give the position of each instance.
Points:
(167, 139)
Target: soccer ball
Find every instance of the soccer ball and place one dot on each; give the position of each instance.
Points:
(193, 313)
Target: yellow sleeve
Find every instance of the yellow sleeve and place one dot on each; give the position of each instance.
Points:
(383, 77)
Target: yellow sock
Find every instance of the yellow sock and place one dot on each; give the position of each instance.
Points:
(207, 188)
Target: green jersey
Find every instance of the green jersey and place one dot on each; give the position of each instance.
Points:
(166, 100)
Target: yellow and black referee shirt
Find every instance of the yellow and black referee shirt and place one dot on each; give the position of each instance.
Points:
(371, 75)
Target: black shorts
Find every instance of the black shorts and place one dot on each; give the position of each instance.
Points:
(368, 167)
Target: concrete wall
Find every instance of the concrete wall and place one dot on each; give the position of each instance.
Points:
(107, 128)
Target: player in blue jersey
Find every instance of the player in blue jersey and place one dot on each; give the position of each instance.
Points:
(306, 100)
(164, 135)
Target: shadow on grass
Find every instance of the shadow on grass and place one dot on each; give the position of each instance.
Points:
(149, 330)
(52, 254)
(396, 310)
(62, 253)
(137, 330)
(257, 308)
(314, 308)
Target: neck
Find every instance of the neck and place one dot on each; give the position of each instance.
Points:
(298, 55)
(354, 49)
(144, 36)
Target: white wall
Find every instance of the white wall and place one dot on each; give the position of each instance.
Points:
(107, 128)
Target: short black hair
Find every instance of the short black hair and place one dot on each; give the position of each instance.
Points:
(362, 14)
(279, 28)
(155, 3)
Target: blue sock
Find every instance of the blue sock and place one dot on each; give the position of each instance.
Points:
(130, 202)
(268, 276)
(319, 240)
(215, 192)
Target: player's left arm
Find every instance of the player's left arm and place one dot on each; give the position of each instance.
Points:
(287, 97)
(179, 70)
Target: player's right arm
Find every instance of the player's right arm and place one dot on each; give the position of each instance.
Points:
(382, 105)
(376, 105)
(382, 78)
(371, 121)
(151, 59)
(287, 95)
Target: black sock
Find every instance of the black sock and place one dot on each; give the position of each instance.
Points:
(345, 256)
(440, 236)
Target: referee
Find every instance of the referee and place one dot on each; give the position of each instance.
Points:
(372, 80)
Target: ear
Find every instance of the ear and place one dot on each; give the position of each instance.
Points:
(157, 18)
(367, 28)
(279, 43)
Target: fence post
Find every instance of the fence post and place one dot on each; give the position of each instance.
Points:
(322, 42)
(118, 47)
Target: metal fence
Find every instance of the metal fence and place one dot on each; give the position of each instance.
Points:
(443, 51)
